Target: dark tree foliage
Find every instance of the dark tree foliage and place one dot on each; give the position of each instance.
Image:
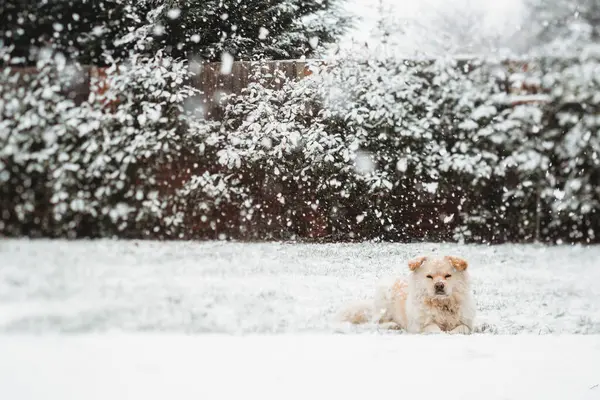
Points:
(86, 30)
(80, 29)
(248, 29)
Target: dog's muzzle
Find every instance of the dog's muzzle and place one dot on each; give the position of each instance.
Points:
(439, 288)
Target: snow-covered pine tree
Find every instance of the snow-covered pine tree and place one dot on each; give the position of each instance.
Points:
(37, 121)
(544, 154)
(490, 129)
(82, 30)
(573, 131)
(403, 118)
(128, 161)
(267, 164)
(248, 29)
(104, 167)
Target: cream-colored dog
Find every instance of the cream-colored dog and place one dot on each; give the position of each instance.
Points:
(436, 297)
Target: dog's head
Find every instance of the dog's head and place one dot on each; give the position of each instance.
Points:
(438, 277)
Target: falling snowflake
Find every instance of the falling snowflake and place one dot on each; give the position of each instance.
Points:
(364, 164)
(174, 13)
(431, 187)
(402, 165)
(263, 33)
(226, 63)
(158, 30)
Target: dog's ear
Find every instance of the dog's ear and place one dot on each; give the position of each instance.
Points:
(458, 263)
(416, 263)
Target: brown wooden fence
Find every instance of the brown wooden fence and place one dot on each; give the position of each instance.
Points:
(214, 83)
(208, 78)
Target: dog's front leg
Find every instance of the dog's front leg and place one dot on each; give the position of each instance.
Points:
(432, 328)
(461, 330)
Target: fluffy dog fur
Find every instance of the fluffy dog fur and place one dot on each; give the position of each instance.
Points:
(436, 297)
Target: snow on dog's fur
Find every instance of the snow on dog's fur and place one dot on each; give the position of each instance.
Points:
(436, 297)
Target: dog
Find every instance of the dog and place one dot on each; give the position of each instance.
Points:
(435, 298)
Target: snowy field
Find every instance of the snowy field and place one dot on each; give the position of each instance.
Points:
(148, 320)
(59, 286)
(301, 367)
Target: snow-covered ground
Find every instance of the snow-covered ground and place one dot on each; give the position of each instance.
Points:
(302, 367)
(218, 287)
(122, 320)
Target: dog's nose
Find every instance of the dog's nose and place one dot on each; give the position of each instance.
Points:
(439, 286)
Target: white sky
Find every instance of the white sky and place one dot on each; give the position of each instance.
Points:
(498, 13)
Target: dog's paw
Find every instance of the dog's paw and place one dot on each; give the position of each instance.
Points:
(390, 326)
(461, 330)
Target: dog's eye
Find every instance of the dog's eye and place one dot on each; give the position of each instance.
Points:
(448, 276)
(430, 277)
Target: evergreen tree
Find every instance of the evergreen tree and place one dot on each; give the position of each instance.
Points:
(249, 29)
(82, 30)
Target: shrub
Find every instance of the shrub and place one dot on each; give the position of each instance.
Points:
(39, 121)
(99, 168)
